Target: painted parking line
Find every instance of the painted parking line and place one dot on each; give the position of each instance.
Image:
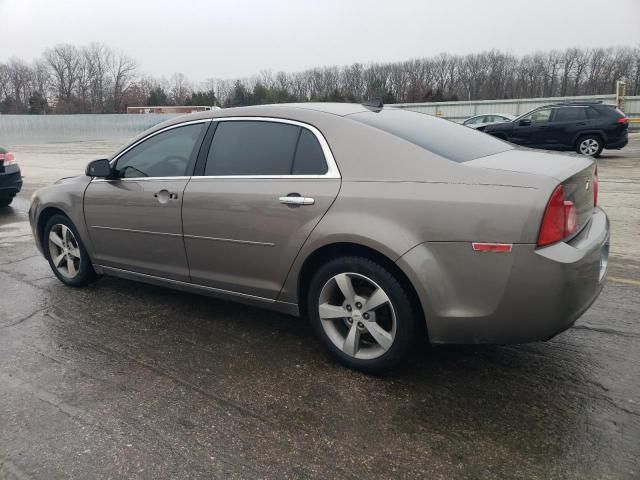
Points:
(626, 281)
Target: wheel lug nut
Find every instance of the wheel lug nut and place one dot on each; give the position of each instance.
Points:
(360, 324)
(358, 305)
(365, 316)
(349, 308)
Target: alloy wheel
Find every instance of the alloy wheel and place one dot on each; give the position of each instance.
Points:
(357, 315)
(64, 251)
(589, 146)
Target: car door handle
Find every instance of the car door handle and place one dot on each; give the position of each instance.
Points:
(296, 200)
(164, 196)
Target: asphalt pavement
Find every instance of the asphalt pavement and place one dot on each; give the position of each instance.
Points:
(126, 380)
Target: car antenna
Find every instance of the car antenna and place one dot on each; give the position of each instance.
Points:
(375, 104)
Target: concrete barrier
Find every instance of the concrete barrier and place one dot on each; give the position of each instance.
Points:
(29, 129)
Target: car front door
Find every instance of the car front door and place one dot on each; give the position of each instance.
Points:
(532, 129)
(134, 218)
(264, 186)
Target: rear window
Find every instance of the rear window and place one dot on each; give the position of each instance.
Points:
(442, 137)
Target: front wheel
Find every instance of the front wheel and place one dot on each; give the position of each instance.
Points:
(590, 145)
(362, 313)
(65, 252)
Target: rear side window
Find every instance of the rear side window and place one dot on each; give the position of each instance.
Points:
(593, 114)
(252, 148)
(474, 120)
(570, 114)
(309, 159)
(264, 148)
(442, 137)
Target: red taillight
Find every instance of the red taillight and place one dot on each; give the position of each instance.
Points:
(7, 159)
(559, 219)
(595, 186)
(623, 120)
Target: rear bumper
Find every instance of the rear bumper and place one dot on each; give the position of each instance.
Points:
(526, 295)
(618, 143)
(10, 181)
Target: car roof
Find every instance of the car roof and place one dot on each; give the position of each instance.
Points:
(282, 109)
(506, 115)
(586, 103)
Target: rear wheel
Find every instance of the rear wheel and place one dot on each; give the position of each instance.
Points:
(66, 254)
(590, 145)
(5, 201)
(362, 313)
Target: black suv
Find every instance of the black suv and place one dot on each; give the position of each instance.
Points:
(586, 127)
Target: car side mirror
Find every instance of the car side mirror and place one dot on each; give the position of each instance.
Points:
(100, 168)
(525, 122)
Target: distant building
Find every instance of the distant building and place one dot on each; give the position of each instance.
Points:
(171, 109)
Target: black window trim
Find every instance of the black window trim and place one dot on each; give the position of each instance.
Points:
(332, 168)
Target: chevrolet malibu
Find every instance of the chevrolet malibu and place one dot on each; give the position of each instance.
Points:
(377, 224)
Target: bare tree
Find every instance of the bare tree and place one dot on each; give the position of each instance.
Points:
(122, 70)
(64, 61)
(179, 88)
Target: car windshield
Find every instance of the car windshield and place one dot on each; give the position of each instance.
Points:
(442, 137)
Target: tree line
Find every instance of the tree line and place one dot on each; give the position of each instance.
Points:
(98, 79)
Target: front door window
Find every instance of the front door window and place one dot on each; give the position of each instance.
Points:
(167, 154)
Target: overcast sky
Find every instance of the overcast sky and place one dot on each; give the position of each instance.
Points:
(231, 38)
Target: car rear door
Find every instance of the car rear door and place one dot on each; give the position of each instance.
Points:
(566, 124)
(134, 219)
(264, 184)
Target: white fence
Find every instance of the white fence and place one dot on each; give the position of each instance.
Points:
(25, 129)
(459, 111)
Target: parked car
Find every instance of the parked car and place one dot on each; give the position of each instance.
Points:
(371, 222)
(586, 127)
(480, 121)
(10, 177)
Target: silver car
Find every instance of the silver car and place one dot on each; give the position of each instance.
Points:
(481, 121)
(371, 222)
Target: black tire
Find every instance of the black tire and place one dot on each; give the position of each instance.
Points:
(594, 143)
(84, 271)
(405, 314)
(5, 201)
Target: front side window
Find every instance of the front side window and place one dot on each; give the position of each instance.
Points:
(538, 116)
(166, 154)
(253, 147)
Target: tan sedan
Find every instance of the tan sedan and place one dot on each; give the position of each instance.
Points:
(371, 222)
